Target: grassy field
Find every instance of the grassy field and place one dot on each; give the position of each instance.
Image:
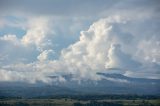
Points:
(71, 102)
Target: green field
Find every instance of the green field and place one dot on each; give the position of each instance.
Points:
(74, 102)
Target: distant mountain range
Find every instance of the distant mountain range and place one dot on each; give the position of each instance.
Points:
(109, 84)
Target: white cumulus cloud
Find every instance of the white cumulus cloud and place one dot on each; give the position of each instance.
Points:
(106, 45)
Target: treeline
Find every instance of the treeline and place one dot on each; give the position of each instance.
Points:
(95, 103)
(127, 97)
(10, 97)
(27, 104)
(99, 97)
(91, 97)
(16, 104)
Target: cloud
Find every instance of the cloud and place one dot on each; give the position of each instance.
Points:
(119, 59)
(149, 48)
(25, 49)
(52, 46)
(38, 33)
(45, 55)
(79, 8)
(13, 51)
(60, 8)
(102, 48)
(90, 52)
(14, 76)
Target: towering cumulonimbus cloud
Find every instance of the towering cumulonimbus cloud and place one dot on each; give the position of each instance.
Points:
(102, 48)
(89, 54)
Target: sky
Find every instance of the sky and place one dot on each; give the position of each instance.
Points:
(44, 38)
